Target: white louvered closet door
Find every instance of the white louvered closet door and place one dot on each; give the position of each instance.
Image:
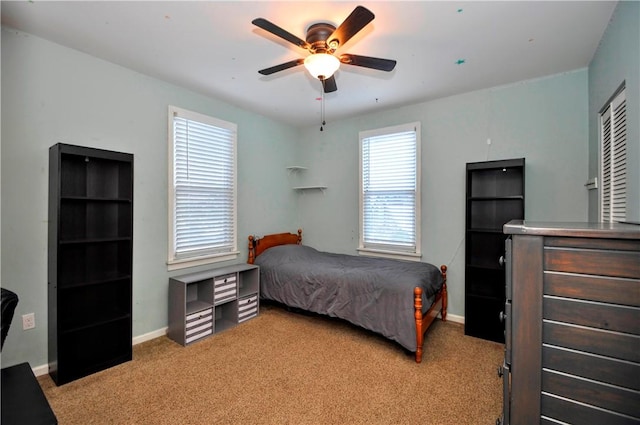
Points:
(613, 157)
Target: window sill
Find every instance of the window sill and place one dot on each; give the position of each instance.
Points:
(410, 256)
(201, 261)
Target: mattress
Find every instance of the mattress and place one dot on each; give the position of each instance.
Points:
(373, 293)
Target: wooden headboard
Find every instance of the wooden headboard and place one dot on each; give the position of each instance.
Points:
(257, 245)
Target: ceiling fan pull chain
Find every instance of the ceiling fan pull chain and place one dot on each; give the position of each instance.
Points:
(322, 107)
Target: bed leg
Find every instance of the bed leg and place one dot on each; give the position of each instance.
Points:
(417, 292)
(443, 312)
(251, 257)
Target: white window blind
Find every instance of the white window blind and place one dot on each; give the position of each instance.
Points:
(613, 157)
(203, 186)
(390, 193)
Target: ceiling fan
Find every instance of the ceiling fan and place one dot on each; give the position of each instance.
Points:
(322, 41)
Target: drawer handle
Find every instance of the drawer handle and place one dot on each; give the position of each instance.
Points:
(501, 261)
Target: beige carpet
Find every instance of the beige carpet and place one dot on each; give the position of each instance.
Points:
(288, 368)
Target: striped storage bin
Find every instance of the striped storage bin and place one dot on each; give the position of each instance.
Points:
(199, 325)
(247, 308)
(225, 288)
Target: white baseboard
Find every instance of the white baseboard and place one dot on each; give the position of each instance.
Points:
(40, 370)
(44, 369)
(455, 318)
(149, 336)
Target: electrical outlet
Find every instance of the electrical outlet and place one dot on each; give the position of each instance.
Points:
(28, 321)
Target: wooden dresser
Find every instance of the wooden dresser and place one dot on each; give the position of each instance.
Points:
(572, 324)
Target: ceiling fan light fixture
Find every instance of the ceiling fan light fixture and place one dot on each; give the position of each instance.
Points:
(321, 65)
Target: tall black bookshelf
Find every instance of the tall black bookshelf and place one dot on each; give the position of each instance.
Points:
(494, 196)
(90, 260)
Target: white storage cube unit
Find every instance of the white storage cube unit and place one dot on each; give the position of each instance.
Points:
(205, 303)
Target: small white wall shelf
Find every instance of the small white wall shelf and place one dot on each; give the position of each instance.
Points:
(323, 188)
(296, 169)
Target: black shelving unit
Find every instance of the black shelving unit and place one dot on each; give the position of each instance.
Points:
(90, 260)
(494, 196)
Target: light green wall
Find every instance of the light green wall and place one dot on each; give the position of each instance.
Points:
(52, 94)
(544, 120)
(617, 60)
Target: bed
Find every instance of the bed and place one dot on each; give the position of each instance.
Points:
(397, 299)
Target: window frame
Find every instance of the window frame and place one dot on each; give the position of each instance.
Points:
(175, 262)
(381, 250)
(610, 193)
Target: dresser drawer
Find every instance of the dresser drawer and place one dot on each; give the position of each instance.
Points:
(591, 395)
(594, 288)
(601, 342)
(594, 367)
(247, 308)
(592, 261)
(225, 288)
(611, 317)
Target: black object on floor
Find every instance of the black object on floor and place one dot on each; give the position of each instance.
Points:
(23, 401)
(8, 303)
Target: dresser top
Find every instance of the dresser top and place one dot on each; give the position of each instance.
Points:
(573, 229)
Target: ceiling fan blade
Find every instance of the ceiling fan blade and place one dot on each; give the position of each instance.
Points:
(368, 62)
(276, 30)
(281, 67)
(357, 20)
(329, 84)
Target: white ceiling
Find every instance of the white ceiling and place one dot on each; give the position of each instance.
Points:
(212, 47)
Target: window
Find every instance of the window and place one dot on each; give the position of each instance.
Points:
(390, 192)
(202, 189)
(613, 159)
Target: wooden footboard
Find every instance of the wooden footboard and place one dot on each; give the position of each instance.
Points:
(424, 321)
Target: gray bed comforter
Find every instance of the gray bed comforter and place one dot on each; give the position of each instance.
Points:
(374, 293)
